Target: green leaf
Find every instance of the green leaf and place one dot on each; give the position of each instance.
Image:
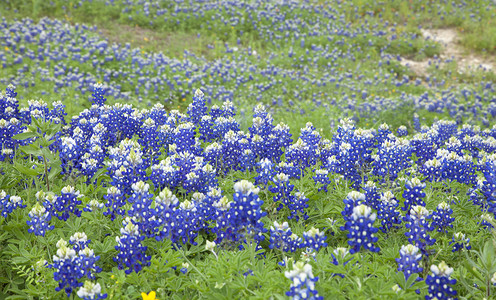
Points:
(25, 170)
(54, 172)
(25, 135)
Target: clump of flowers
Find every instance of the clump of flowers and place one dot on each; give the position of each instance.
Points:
(240, 219)
(8, 203)
(71, 266)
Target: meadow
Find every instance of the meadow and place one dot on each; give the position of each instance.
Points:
(247, 149)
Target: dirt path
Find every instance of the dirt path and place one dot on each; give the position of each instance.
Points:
(449, 40)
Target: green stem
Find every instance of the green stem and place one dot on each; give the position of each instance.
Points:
(189, 262)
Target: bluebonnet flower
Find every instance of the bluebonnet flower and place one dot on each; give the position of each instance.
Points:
(487, 221)
(261, 127)
(115, 200)
(322, 177)
(8, 203)
(388, 212)
(289, 169)
(126, 165)
(441, 217)
(132, 254)
(416, 122)
(70, 268)
(418, 226)
(302, 154)
(91, 291)
(413, 194)
(240, 219)
(142, 214)
(282, 189)
(451, 166)
(297, 206)
(184, 268)
(197, 109)
(408, 263)
(70, 153)
(67, 203)
(360, 229)
(183, 225)
(67, 268)
(93, 205)
(303, 282)
(372, 197)
(98, 94)
(282, 238)
(266, 172)
(339, 256)
(352, 200)
(460, 242)
(424, 147)
(88, 261)
(79, 240)
(207, 133)
(392, 157)
(313, 240)
(382, 134)
(231, 150)
(184, 137)
(402, 131)
(440, 283)
(39, 220)
(149, 138)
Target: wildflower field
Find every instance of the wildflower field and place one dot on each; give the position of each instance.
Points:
(174, 149)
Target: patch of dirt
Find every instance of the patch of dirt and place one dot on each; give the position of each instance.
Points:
(449, 40)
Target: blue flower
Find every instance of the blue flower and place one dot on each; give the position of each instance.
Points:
(9, 203)
(313, 239)
(98, 94)
(282, 238)
(441, 217)
(67, 203)
(361, 231)
(132, 254)
(413, 194)
(408, 263)
(460, 242)
(39, 220)
(302, 282)
(439, 282)
(91, 291)
(388, 212)
(239, 220)
(418, 225)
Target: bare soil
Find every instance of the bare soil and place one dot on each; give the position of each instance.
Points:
(449, 40)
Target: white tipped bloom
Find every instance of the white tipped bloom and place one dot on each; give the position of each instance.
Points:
(210, 246)
(89, 290)
(442, 269)
(245, 187)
